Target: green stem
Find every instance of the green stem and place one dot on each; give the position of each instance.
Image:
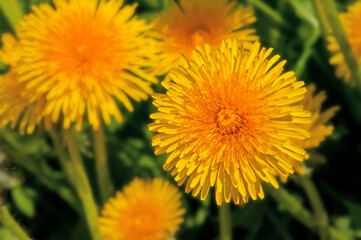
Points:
(325, 25)
(9, 222)
(102, 168)
(317, 206)
(274, 15)
(301, 214)
(327, 9)
(292, 205)
(62, 156)
(82, 186)
(308, 49)
(225, 222)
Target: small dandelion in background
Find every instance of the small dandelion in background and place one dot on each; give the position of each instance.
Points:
(319, 128)
(230, 119)
(351, 21)
(200, 22)
(145, 209)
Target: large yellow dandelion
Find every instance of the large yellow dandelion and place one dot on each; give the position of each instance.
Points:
(144, 210)
(351, 21)
(230, 119)
(200, 22)
(319, 128)
(82, 57)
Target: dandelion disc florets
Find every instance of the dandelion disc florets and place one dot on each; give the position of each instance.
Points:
(230, 119)
(200, 22)
(144, 210)
(351, 21)
(81, 57)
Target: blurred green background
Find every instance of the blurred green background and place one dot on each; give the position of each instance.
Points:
(33, 186)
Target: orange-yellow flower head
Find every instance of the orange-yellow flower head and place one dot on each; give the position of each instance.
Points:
(14, 108)
(318, 128)
(230, 119)
(351, 21)
(82, 56)
(200, 22)
(144, 210)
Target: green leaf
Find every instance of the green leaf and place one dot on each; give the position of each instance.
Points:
(355, 213)
(304, 10)
(24, 201)
(30, 145)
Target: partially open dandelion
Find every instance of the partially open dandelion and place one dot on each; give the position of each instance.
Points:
(200, 22)
(351, 21)
(16, 109)
(318, 128)
(80, 57)
(144, 210)
(230, 120)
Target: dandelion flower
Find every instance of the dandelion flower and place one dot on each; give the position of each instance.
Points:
(230, 120)
(350, 21)
(144, 210)
(14, 108)
(318, 127)
(200, 22)
(81, 57)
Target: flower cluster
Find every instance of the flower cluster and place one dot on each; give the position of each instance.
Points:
(231, 117)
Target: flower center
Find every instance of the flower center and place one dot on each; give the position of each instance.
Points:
(141, 222)
(229, 121)
(200, 37)
(83, 48)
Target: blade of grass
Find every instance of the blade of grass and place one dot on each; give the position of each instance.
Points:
(12, 11)
(9, 222)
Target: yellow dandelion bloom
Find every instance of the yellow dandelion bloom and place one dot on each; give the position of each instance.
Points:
(144, 210)
(82, 57)
(318, 127)
(16, 109)
(229, 120)
(200, 22)
(351, 21)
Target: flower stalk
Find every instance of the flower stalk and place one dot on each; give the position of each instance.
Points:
(225, 222)
(9, 223)
(82, 186)
(317, 205)
(105, 184)
(292, 205)
(62, 156)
